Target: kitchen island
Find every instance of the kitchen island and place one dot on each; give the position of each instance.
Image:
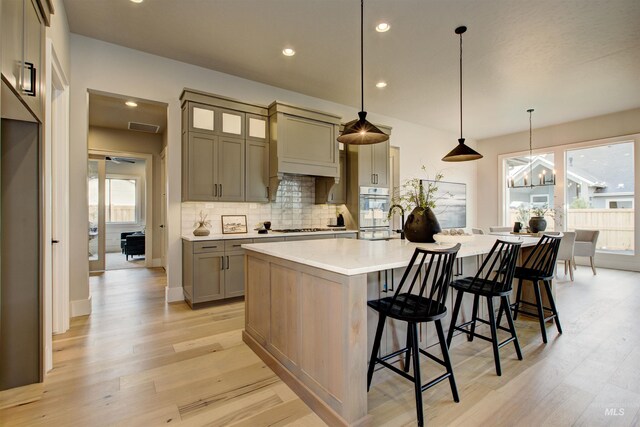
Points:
(307, 317)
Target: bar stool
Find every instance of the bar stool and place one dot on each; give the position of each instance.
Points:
(489, 282)
(539, 267)
(426, 304)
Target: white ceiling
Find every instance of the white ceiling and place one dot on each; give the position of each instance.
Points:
(110, 111)
(569, 59)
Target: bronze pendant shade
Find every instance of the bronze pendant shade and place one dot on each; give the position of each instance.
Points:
(360, 131)
(462, 153)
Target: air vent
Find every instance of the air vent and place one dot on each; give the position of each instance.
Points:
(143, 127)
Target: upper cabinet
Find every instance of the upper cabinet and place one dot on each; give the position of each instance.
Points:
(23, 30)
(370, 163)
(225, 149)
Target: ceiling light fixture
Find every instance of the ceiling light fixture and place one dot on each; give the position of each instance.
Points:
(383, 27)
(543, 180)
(380, 85)
(131, 104)
(288, 52)
(462, 152)
(137, 1)
(360, 131)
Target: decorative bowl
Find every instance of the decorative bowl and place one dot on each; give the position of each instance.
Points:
(456, 238)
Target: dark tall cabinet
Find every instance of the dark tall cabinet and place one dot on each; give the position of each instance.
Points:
(20, 290)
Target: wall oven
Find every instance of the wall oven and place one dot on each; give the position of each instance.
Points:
(373, 222)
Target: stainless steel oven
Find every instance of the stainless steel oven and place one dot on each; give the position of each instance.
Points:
(373, 222)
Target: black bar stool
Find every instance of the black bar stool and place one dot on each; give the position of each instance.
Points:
(427, 304)
(490, 282)
(539, 267)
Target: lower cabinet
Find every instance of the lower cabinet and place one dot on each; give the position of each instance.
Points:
(214, 269)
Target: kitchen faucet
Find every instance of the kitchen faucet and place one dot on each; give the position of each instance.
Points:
(401, 231)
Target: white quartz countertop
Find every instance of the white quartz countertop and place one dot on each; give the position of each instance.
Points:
(255, 235)
(351, 256)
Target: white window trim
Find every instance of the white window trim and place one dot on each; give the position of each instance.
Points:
(608, 201)
(531, 196)
(139, 199)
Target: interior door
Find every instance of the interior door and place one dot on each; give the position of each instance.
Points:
(96, 182)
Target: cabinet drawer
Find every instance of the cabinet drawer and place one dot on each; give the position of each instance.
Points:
(269, 240)
(208, 246)
(235, 244)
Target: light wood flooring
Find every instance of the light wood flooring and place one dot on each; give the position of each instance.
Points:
(139, 361)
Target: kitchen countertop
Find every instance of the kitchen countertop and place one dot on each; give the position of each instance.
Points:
(255, 235)
(350, 256)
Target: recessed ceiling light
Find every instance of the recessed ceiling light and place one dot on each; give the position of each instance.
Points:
(380, 85)
(383, 27)
(288, 52)
(137, 1)
(131, 103)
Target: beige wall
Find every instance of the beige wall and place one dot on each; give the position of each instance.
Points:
(135, 142)
(106, 67)
(595, 128)
(58, 32)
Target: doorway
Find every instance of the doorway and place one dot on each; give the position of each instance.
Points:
(125, 182)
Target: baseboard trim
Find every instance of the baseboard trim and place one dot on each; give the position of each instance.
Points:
(81, 307)
(173, 294)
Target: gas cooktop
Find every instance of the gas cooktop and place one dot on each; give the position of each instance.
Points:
(305, 230)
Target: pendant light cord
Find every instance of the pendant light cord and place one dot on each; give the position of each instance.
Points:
(530, 150)
(362, 55)
(460, 85)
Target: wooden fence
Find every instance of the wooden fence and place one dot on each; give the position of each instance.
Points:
(615, 225)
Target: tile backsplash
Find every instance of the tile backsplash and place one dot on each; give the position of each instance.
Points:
(294, 208)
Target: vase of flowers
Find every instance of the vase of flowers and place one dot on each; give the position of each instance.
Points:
(537, 222)
(420, 200)
(202, 225)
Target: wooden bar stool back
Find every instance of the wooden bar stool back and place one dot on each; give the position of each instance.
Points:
(416, 301)
(539, 267)
(493, 280)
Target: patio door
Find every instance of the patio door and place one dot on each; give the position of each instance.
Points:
(96, 235)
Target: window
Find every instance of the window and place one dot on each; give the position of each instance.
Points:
(121, 200)
(524, 193)
(620, 203)
(600, 192)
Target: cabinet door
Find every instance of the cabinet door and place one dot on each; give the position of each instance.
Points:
(202, 118)
(256, 128)
(230, 161)
(201, 167)
(365, 165)
(257, 171)
(33, 70)
(234, 275)
(208, 277)
(380, 164)
(231, 123)
(12, 47)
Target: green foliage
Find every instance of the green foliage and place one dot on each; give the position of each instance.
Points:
(579, 204)
(413, 194)
(523, 215)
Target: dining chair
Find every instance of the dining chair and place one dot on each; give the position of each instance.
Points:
(586, 246)
(565, 253)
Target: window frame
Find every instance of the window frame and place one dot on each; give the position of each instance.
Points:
(138, 195)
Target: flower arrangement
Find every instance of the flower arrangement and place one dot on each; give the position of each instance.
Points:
(414, 194)
(202, 225)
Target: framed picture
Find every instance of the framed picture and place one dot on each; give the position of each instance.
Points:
(451, 204)
(234, 224)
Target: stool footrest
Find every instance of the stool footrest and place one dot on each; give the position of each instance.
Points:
(432, 357)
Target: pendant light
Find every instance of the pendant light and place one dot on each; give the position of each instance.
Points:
(462, 152)
(543, 180)
(360, 131)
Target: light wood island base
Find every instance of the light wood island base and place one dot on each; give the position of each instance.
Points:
(309, 325)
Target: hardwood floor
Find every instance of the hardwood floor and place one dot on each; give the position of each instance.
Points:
(138, 361)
